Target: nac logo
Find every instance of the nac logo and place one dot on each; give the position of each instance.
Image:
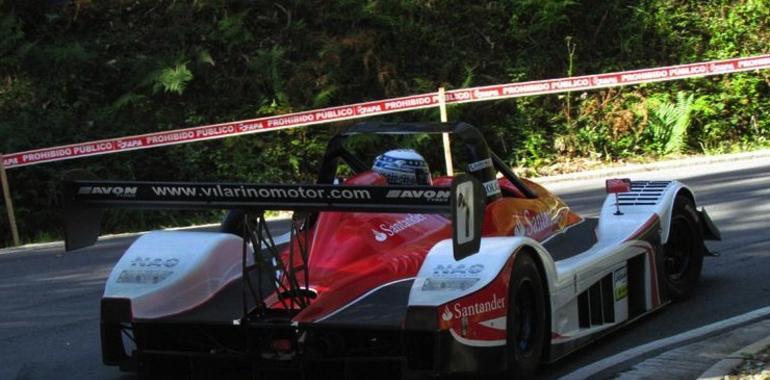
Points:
(457, 270)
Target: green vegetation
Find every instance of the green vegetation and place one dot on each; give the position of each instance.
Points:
(84, 70)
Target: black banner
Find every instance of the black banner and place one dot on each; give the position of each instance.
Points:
(308, 197)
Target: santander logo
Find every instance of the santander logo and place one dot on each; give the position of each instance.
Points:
(480, 307)
(532, 223)
(386, 230)
(447, 315)
(379, 236)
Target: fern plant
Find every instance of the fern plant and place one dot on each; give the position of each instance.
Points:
(173, 79)
(669, 122)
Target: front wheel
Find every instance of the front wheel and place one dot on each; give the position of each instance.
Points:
(526, 319)
(683, 251)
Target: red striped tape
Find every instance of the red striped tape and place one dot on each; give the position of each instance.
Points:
(381, 107)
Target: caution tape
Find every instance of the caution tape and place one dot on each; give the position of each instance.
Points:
(382, 107)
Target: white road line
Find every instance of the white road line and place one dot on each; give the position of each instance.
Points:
(615, 360)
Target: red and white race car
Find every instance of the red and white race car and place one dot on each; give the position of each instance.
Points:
(481, 272)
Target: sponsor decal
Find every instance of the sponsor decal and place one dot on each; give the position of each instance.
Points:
(621, 284)
(480, 316)
(604, 80)
(129, 143)
(250, 127)
(120, 191)
(147, 262)
(486, 93)
(367, 109)
(479, 165)
(492, 187)
(147, 270)
(386, 230)
(256, 192)
(441, 195)
(457, 270)
(533, 223)
(10, 161)
(459, 310)
(379, 236)
(143, 276)
(721, 67)
(447, 314)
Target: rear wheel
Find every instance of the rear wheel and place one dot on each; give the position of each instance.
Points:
(526, 321)
(683, 251)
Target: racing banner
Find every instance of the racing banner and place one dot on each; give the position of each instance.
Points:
(382, 107)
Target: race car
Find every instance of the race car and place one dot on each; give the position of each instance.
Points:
(481, 272)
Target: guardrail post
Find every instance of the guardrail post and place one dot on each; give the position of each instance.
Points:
(445, 136)
(8, 202)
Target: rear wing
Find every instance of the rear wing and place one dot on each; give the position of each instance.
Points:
(84, 201)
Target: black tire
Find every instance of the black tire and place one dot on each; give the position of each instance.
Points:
(526, 319)
(683, 251)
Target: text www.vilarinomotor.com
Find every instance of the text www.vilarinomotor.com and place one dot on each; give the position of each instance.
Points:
(260, 193)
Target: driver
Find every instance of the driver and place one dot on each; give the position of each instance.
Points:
(403, 167)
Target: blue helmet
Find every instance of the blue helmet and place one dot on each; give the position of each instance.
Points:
(403, 167)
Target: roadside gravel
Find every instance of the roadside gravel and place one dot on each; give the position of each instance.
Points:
(754, 367)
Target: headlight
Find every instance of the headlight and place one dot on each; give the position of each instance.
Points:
(433, 283)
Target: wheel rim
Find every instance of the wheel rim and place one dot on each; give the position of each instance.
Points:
(679, 248)
(524, 318)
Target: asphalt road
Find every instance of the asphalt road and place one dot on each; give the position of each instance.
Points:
(49, 314)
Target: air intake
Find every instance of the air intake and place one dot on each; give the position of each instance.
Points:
(596, 306)
(643, 193)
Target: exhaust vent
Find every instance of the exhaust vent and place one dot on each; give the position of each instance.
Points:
(596, 306)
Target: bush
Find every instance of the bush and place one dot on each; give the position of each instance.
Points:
(86, 70)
